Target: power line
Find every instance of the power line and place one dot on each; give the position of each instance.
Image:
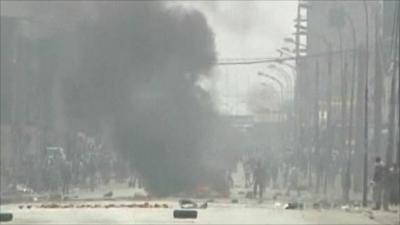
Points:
(241, 61)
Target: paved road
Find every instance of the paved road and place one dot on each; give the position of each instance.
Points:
(215, 214)
(221, 212)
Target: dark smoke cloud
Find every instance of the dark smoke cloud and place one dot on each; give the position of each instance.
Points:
(161, 118)
(129, 71)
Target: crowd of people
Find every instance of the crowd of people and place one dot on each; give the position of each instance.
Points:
(57, 170)
(263, 171)
(385, 183)
(282, 172)
(91, 166)
(56, 173)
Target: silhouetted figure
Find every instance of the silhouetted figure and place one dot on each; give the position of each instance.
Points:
(247, 173)
(260, 177)
(392, 185)
(274, 173)
(229, 178)
(92, 173)
(378, 185)
(66, 175)
(293, 180)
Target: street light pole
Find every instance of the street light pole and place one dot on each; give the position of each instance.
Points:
(350, 135)
(296, 100)
(289, 84)
(317, 130)
(280, 87)
(365, 174)
(288, 79)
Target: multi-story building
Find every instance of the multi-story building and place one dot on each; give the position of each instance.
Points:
(336, 35)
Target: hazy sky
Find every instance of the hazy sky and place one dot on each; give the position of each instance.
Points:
(245, 29)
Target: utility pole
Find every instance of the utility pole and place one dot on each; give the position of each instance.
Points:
(329, 130)
(397, 53)
(343, 91)
(296, 99)
(392, 107)
(392, 110)
(344, 174)
(365, 173)
(352, 87)
(378, 89)
(316, 128)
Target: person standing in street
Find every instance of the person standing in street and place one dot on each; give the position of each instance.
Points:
(247, 172)
(92, 173)
(66, 175)
(378, 183)
(293, 181)
(259, 180)
(392, 188)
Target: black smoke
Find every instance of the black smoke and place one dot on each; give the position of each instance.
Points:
(129, 72)
(152, 57)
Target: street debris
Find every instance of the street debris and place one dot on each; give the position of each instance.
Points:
(277, 205)
(108, 194)
(5, 217)
(204, 205)
(24, 189)
(294, 205)
(190, 204)
(345, 208)
(185, 214)
(370, 214)
(109, 205)
(187, 204)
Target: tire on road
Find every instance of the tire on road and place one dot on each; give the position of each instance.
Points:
(5, 217)
(185, 214)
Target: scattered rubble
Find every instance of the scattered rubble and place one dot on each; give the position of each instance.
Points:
(109, 205)
(294, 205)
(108, 194)
(204, 205)
(187, 204)
(345, 208)
(277, 205)
(190, 204)
(5, 217)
